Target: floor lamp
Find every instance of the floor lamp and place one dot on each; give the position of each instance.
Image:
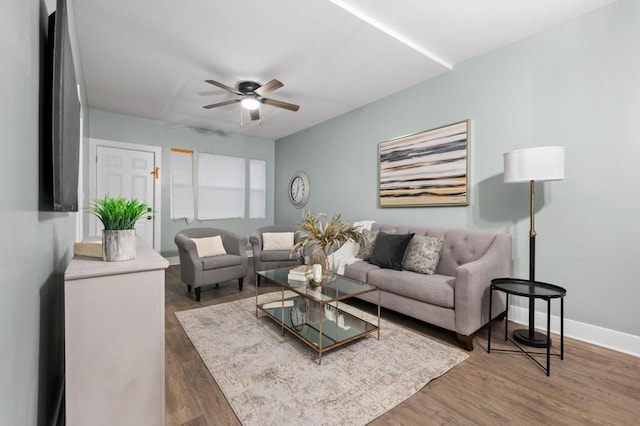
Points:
(533, 165)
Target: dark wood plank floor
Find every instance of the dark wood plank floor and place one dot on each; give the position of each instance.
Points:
(592, 385)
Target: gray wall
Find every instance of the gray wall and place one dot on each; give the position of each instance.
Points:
(577, 85)
(37, 244)
(123, 128)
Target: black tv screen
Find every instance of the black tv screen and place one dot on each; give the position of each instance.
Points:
(65, 115)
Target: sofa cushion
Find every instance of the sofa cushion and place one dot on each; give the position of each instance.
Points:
(367, 244)
(221, 261)
(276, 255)
(209, 246)
(359, 270)
(433, 289)
(389, 250)
(277, 241)
(422, 254)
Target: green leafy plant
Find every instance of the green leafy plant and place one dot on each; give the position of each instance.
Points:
(322, 235)
(118, 213)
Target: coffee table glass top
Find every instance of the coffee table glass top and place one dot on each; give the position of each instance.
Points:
(332, 289)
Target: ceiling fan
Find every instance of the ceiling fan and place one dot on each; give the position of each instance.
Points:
(252, 95)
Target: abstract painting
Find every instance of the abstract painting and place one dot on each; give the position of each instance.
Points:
(430, 168)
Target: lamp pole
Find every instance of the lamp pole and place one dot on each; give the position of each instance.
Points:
(532, 231)
(530, 336)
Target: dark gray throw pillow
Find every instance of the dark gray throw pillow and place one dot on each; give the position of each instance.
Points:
(389, 250)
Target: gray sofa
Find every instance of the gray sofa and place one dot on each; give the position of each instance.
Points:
(456, 296)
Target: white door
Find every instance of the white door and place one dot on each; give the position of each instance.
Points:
(128, 173)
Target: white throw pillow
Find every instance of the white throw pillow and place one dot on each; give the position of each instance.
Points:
(209, 246)
(277, 240)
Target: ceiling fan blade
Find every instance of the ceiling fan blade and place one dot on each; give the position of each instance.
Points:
(255, 114)
(224, 86)
(280, 104)
(268, 87)
(219, 104)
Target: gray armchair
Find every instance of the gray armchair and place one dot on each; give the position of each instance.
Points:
(264, 260)
(196, 271)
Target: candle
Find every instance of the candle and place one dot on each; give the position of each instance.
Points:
(317, 272)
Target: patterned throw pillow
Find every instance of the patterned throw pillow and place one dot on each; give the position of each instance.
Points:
(422, 255)
(367, 244)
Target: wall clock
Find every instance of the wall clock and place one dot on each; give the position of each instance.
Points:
(299, 189)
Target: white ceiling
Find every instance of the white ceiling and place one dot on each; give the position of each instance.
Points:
(149, 58)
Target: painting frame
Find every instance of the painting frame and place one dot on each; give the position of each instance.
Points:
(425, 169)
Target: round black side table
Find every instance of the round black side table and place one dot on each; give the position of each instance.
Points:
(530, 290)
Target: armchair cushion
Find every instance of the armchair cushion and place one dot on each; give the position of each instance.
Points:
(276, 255)
(220, 261)
(277, 241)
(209, 246)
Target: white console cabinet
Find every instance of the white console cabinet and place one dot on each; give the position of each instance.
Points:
(114, 340)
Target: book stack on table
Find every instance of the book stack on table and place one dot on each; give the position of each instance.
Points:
(299, 273)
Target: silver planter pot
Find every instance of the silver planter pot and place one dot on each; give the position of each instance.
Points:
(118, 245)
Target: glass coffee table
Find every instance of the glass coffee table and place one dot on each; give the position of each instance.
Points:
(312, 312)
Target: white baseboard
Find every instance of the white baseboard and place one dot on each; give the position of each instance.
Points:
(174, 260)
(611, 339)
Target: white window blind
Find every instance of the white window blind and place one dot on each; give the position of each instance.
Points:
(181, 184)
(221, 187)
(257, 189)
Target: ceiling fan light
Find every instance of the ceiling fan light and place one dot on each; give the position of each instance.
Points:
(250, 103)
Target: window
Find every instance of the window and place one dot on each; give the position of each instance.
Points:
(257, 189)
(221, 187)
(181, 184)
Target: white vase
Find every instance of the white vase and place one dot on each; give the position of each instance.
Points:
(118, 245)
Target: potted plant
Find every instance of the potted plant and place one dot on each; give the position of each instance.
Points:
(118, 216)
(323, 237)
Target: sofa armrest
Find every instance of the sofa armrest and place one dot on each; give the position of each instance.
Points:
(472, 284)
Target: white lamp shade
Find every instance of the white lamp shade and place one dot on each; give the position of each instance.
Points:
(538, 164)
(250, 103)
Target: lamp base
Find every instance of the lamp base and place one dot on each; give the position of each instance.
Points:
(537, 340)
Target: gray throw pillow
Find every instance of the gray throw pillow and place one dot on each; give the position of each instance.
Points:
(423, 254)
(389, 250)
(367, 244)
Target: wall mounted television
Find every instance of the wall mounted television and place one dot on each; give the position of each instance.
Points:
(62, 120)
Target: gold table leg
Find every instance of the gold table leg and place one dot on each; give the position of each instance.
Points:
(320, 340)
(378, 314)
(282, 314)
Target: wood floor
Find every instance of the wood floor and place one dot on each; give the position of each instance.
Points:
(591, 385)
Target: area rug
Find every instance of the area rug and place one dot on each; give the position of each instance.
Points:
(271, 379)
